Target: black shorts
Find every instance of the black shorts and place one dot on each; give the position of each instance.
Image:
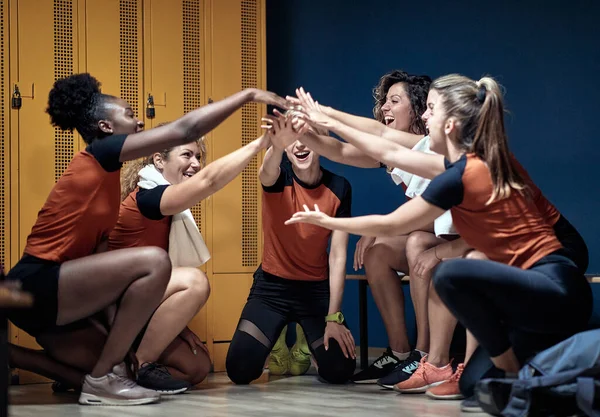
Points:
(39, 277)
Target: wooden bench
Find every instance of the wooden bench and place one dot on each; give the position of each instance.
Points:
(362, 312)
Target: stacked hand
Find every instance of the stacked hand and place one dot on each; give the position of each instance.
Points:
(309, 110)
(281, 129)
(267, 97)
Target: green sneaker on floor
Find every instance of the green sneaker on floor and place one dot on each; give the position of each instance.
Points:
(279, 360)
(299, 354)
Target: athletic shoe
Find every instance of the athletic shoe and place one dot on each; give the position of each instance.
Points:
(299, 354)
(426, 376)
(470, 405)
(448, 390)
(114, 389)
(382, 366)
(279, 360)
(402, 371)
(158, 378)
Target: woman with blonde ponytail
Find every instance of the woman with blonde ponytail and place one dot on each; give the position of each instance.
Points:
(529, 293)
(158, 192)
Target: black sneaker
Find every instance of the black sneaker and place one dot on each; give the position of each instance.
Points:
(378, 369)
(158, 378)
(402, 371)
(470, 405)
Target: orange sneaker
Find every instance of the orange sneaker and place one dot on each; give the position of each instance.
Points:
(449, 389)
(426, 376)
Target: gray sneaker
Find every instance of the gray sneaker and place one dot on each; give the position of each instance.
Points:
(115, 389)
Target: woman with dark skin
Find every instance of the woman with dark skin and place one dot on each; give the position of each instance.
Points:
(64, 266)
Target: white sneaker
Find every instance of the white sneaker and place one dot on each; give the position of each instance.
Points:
(115, 389)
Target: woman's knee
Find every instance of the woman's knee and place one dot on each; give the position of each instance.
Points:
(475, 254)
(245, 358)
(334, 367)
(418, 242)
(447, 275)
(194, 282)
(381, 256)
(197, 368)
(157, 267)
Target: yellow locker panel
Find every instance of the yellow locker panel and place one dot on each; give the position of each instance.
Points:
(229, 293)
(5, 258)
(46, 50)
(43, 49)
(112, 52)
(163, 58)
(173, 76)
(236, 63)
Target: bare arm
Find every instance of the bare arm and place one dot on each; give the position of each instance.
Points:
(390, 153)
(363, 124)
(193, 125)
(209, 180)
(337, 151)
(337, 270)
(269, 170)
(410, 216)
(373, 127)
(453, 249)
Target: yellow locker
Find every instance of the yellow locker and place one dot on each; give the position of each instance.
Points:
(235, 55)
(183, 52)
(112, 51)
(173, 77)
(236, 63)
(43, 48)
(5, 98)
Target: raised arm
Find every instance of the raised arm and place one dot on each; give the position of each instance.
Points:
(210, 179)
(389, 152)
(337, 151)
(363, 124)
(194, 124)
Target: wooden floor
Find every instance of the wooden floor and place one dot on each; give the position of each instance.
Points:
(269, 396)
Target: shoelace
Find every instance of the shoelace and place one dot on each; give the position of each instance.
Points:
(456, 375)
(125, 381)
(159, 370)
(381, 359)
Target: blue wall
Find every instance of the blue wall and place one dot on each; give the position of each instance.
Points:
(546, 54)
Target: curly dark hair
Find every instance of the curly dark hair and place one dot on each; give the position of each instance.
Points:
(76, 102)
(416, 86)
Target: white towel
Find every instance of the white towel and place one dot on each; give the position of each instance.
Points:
(415, 186)
(186, 245)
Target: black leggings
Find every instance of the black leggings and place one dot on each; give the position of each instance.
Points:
(274, 302)
(552, 300)
(574, 246)
(480, 364)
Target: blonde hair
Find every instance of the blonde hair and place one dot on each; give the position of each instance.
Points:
(129, 173)
(478, 108)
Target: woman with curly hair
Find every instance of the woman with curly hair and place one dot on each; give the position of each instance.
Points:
(65, 265)
(158, 192)
(400, 100)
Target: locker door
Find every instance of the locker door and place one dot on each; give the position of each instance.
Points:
(43, 49)
(173, 77)
(236, 62)
(113, 51)
(5, 166)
